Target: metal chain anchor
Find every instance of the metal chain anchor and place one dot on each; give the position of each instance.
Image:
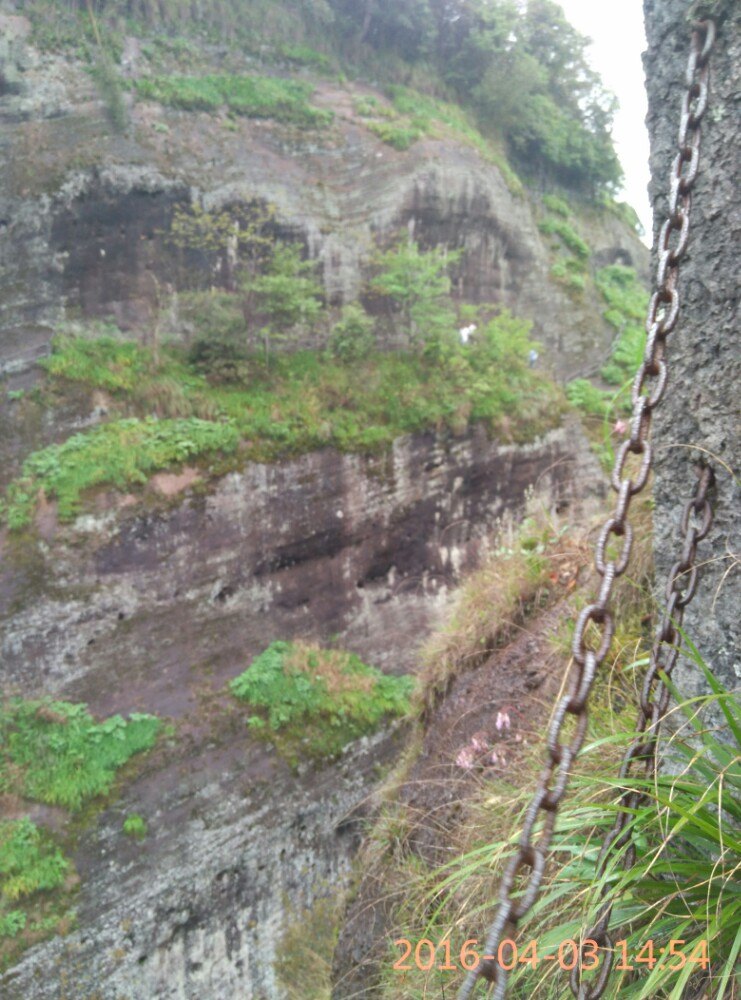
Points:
(663, 313)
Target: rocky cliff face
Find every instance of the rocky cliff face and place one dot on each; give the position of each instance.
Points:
(83, 208)
(697, 422)
(155, 606)
(131, 610)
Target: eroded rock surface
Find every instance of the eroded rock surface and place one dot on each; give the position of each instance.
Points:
(698, 420)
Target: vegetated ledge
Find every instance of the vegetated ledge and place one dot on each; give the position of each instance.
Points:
(60, 766)
(299, 403)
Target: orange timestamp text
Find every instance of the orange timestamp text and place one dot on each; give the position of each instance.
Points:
(426, 955)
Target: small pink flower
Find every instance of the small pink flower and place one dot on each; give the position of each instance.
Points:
(479, 744)
(503, 721)
(465, 758)
(619, 427)
(494, 757)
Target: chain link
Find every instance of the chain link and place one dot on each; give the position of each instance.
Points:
(663, 312)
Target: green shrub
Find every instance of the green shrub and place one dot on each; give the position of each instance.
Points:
(400, 136)
(314, 701)
(121, 454)
(29, 863)
(135, 826)
(570, 237)
(110, 89)
(251, 96)
(36, 882)
(12, 922)
(55, 752)
(221, 361)
(304, 55)
(568, 271)
(417, 282)
(627, 302)
(557, 205)
(589, 398)
(367, 106)
(352, 336)
(213, 315)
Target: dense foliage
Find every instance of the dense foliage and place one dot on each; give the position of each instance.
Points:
(518, 66)
(313, 701)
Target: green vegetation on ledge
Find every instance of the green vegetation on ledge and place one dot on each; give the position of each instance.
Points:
(251, 96)
(122, 453)
(352, 397)
(55, 752)
(412, 115)
(313, 702)
(627, 302)
(33, 873)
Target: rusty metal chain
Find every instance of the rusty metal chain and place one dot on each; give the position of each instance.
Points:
(654, 698)
(663, 312)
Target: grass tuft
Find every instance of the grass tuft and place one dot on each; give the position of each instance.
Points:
(313, 702)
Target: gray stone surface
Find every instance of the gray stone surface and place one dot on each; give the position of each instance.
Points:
(83, 209)
(699, 417)
(156, 609)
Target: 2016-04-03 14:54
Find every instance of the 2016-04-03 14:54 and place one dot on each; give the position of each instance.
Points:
(567, 955)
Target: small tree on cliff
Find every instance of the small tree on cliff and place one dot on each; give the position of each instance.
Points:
(287, 295)
(417, 282)
(239, 236)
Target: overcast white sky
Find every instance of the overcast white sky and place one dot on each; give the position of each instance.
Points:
(618, 38)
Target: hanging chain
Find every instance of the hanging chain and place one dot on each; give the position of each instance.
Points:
(663, 312)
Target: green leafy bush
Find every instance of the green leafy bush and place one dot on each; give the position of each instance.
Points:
(396, 134)
(222, 362)
(36, 881)
(121, 454)
(589, 398)
(314, 701)
(352, 336)
(55, 752)
(568, 271)
(570, 237)
(29, 863)
(251, 96)
(417, 282)
(557, 205)
(304, 55)
(288, 292)
(135, 826)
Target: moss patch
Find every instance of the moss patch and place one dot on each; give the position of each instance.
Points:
(313, 702)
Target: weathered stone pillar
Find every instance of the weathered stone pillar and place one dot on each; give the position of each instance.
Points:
(699, 417)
